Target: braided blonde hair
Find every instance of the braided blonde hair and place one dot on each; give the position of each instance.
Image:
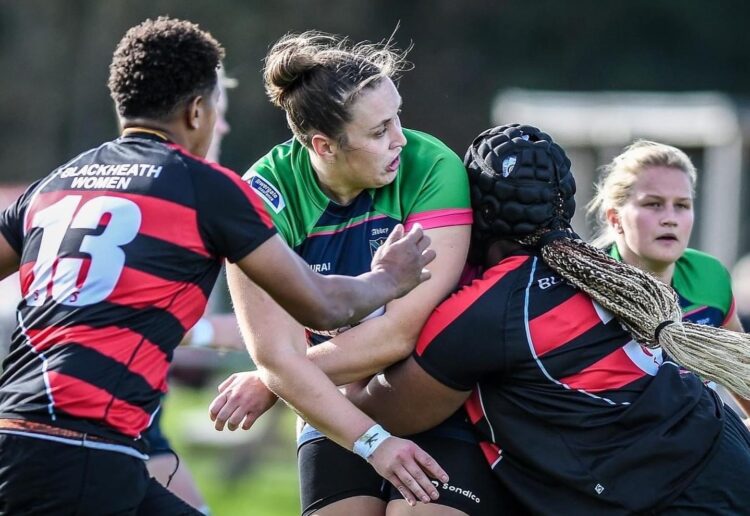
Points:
(530, 201)
(642, 302)
(650, 311)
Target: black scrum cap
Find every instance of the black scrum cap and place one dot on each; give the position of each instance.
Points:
(521, 184)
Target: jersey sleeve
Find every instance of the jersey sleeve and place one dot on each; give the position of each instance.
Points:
(703, 279)
(11, 221)
(461, 342)
(728, 303)
(260, 178)
(233, 221)
(441, 198)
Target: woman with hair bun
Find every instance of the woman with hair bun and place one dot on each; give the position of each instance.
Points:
(567, 359)
(336, 190)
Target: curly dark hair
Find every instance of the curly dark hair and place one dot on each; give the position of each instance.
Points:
(159, 64)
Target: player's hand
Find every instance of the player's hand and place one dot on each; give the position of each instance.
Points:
(408, 468)
(242, 399)
(403, 257)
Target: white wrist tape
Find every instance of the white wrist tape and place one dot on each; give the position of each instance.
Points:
(202, 334)
(369, 441)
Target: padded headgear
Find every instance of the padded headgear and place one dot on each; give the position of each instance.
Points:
(521, 183)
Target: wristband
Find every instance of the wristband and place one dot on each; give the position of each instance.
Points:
(202, 334)
(366, 445)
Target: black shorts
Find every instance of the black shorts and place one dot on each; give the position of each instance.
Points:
(723, 486)
(472, 487)
(38, 476)
(329, 473)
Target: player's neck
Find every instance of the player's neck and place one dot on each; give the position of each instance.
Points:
(663, 271)
(333, 183)
(140, 129)
(498, 250)
(159, 128)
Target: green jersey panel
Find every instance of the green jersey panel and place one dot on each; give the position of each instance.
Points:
(703, 285)
(431, 188)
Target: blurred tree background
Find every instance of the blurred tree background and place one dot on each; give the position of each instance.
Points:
(54, 55)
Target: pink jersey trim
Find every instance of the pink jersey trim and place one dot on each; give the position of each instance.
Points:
(730, 314)
(440, 218)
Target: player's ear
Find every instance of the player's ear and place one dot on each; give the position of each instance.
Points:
(613, 218)
(194, 112)
(323, 146)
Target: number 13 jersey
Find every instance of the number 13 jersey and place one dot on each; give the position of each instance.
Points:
(119, 250)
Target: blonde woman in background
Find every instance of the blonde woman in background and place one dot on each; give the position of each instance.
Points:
(644, 209)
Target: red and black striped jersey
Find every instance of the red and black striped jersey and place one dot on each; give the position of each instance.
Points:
(577, 418)
(119, 249)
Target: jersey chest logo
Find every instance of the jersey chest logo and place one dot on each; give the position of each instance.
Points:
(375, 244)
(377, 237)
(268, 192)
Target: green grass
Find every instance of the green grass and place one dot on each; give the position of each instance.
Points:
(255, 478)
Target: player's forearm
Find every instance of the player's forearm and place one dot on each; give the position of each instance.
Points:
(406, 400)
(350, 299)
(364, 350)
(380, 401)
(397, 268)
(311, 394)
(379, 342)
(323, 302)
(277, 346)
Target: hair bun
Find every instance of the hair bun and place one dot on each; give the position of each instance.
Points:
(290, 59)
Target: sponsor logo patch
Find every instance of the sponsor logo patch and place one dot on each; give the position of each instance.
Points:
(267, 192)
(458, 490)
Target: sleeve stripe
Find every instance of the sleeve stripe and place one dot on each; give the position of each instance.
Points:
(440, 218)
(730, 314)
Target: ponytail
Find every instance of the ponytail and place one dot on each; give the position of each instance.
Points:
(650, 311)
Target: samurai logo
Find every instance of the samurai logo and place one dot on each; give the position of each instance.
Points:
(374, 244)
